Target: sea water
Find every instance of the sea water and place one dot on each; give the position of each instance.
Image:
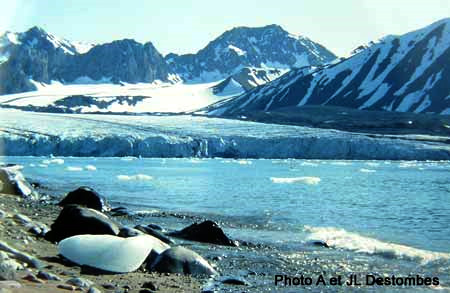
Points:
(393, 213)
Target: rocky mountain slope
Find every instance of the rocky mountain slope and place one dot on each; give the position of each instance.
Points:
(263, 47)
(37, 56)
(408, 73)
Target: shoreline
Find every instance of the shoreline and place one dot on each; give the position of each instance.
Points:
(17, 236)
(256, 262)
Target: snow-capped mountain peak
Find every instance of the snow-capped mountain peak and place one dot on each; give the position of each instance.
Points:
(262, 47)
(407, 73)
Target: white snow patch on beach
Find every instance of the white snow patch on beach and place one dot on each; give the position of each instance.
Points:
(137, 177)
(306, 180)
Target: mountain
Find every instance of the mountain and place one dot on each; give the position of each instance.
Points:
(262, 47)
(246, 79)
(37, 56)
(407, 73)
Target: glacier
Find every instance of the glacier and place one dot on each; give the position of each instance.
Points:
(43, 134)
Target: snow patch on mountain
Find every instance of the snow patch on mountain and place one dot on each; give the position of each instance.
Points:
(397, 73)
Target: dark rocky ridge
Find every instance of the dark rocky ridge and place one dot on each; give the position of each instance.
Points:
(408, 73)
(41, 57)
(239, 47)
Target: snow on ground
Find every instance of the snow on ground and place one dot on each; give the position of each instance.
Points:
(161, 97)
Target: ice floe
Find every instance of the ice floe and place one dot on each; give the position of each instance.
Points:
(137, 177)
(306, 180)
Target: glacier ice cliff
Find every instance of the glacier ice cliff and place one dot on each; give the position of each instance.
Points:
(41, 134)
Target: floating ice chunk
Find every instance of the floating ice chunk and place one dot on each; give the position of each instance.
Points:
(74, 168)
(53, 161)
(305, 180)
(90, 167)
(367, 170)
(372, 164)
(407, 165)
(309, 164)
(244, 162)
(128, 158)
(140, 177)
(43, 165)
(340, 163)
(110, 253)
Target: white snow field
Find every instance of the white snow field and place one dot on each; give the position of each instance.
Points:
(42, 134)
(158, 97)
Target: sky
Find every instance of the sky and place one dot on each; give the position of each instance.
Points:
(187, 26)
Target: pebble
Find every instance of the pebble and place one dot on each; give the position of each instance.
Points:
(80, 282)
(66, 287)
(150, 285)
(22, 219)
(94, 290)
(109, 286)
(48, 276)
(10, 284)
(235, 281)
(7, 272)
(32, 278)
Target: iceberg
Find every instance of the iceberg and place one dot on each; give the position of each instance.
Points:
(110, 253)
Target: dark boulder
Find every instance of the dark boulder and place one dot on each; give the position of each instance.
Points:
(235, 281)
(319, 243)
(150, 231)
(207, 231)
(181, 260)
(87, 197)
(119, 211)
(74, 220)
(127, 232)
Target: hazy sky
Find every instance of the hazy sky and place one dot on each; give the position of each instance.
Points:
(187, 26)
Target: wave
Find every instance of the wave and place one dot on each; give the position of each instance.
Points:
(137, 177)
(342, 239)
(305, 180)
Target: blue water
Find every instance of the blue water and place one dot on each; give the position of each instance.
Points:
(405, 203)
